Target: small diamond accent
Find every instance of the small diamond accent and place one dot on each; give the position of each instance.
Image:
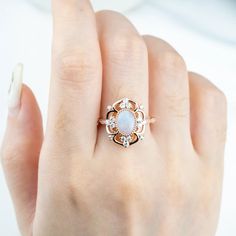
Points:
(109, 108)
(126, 141)
(111, 122)
(141, 137)
(125, 104)
(126, 144)
(140, 121)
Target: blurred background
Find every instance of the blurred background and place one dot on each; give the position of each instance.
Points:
(203, 32)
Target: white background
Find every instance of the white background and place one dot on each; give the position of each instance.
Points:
(25, 36)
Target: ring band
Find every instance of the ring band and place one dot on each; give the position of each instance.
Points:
(125, 122)
(147, 121)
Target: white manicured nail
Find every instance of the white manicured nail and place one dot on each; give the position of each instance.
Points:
(14, 93)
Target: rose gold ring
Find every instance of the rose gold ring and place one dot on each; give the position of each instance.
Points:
(125, 122)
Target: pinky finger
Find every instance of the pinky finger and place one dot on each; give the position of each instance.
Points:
(208, 117)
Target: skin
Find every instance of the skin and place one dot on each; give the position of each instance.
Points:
(73, 180)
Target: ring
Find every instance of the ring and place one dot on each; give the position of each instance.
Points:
(125, 122)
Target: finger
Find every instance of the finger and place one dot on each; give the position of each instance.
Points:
(20, 150)
(76, 76)
(169, 92)
(208, 117)
(125, 60)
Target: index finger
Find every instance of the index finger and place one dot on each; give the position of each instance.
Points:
(76, 74)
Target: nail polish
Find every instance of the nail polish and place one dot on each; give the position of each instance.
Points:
(14, 92)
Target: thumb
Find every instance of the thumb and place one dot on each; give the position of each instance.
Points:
(20, 149)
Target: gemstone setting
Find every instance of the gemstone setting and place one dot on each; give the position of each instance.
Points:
(126, 122)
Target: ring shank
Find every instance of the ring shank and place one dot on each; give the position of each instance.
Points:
(150, 120)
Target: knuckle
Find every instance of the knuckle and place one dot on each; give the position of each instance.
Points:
(10, 157)
(215, 98)
(129, 189)
(75, 67)
(177, 193)
(171, 60)
(75, 195)
(79, 192)
(175, 82)
(67, 186)
(178, 105)
(62, 124)
(125, 47)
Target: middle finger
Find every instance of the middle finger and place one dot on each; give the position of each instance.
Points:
(125, 60)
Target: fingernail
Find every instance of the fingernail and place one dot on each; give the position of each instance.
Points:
(14, 92)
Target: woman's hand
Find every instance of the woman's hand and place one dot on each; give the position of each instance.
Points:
(74, 181)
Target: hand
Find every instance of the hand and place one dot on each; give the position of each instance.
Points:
(74, 181)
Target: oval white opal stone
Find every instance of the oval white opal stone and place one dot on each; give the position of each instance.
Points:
(126, 122)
